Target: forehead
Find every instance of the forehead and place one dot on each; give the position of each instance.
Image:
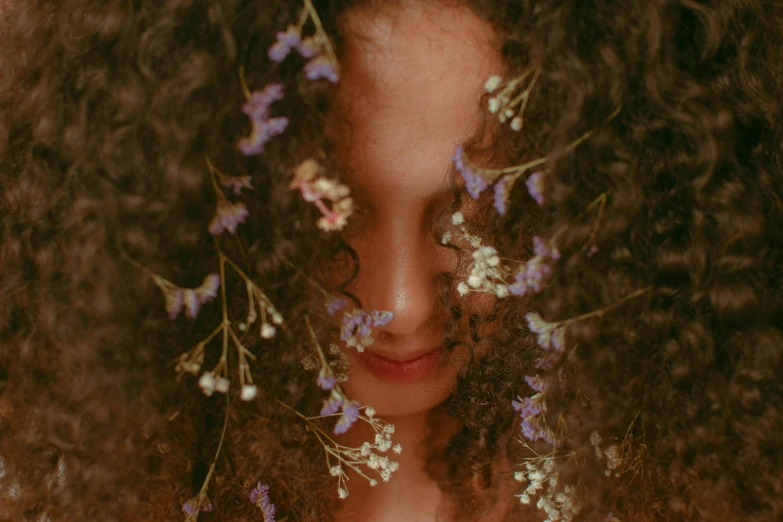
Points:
(412, 79)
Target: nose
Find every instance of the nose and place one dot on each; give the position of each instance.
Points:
(399, 264)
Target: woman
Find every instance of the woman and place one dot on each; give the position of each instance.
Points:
(281, 180)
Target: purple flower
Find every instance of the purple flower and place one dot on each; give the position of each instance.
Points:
(501, 196)
(474, 183)
(529, 406)
(332, 404)
(257, 106)
(191, 301)
(536, 383)
(260, 133)
(228, 216)
(326, 380)
(174, 301)
(285, 42)
(321, 67)
(335, 304)
(263, 128)
(196, 504)
(208, 289)
(259, 497)
(349, 416)
(535, 186)
(236, 183)
(544, 249)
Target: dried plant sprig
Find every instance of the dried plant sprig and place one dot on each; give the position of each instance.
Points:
(259, 497)
(489, 273)
(541, 475)
(318, 190)
(317, 48)
(504, 104)
(200, 502)
(478, 179)
(341, 458)
(623, 458)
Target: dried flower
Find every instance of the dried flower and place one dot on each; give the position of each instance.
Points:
(259, 497)
(263, 128)
(332, 404)
(228, 216)
(349, 415)
(321, 67)
(236, 183)
(316, 189)
(536, 186)
(356, 327)
(285, 42)
(248, 392)
(196, 504)
(475, 184)
(493, 82)
(336, 304)
(326, 379)
(501, 196)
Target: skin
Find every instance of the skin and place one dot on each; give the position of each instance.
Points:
(412, 79)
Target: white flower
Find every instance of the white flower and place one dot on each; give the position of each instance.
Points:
(267, 331)
(519, 476)
(374, 462)
(474, 281)
(493, 82)
(342, 493)
(386, 474)
(277, 318)
(221, 384)
(366, 449)
(457, 219)
(384, 445)
(248, 392)
(207, 383)
(595, 438)
(493, 105)
(389, 428)
(446, 238)
(516, 123)
(462, 288)
(373, 482)
(393, 466)
(369, 411)
(397, 449)
(335, 471)
(524, 498)
(501, 291)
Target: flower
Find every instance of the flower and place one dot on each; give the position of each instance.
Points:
(536, 383)
(349, 415)
(248, 392)
(493, 82)
(191, 299)
(236, 183)
(267, 331)
(326, 379)
(501, 195)
(516, 123)
(259, 497)
(474, 183)
(228, 216)
(308, 48)
(263, 128)
(457, 219)
(356, 328)
(315, 189)
(285, 42)
(333, 403)
(198, 503)
(336, 304)
(207, 383)
(321, 67)
(342, 493)
(370, 412)
(536, 186)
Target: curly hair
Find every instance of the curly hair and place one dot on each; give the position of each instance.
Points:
(107, 109)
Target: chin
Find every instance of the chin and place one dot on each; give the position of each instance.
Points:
(393, 391)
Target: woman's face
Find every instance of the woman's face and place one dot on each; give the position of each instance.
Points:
(412, 79)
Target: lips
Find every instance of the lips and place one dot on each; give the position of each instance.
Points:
(405, 368)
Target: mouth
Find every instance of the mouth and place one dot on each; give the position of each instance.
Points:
(408, 368)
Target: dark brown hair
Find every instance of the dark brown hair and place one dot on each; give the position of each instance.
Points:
(107, 109)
